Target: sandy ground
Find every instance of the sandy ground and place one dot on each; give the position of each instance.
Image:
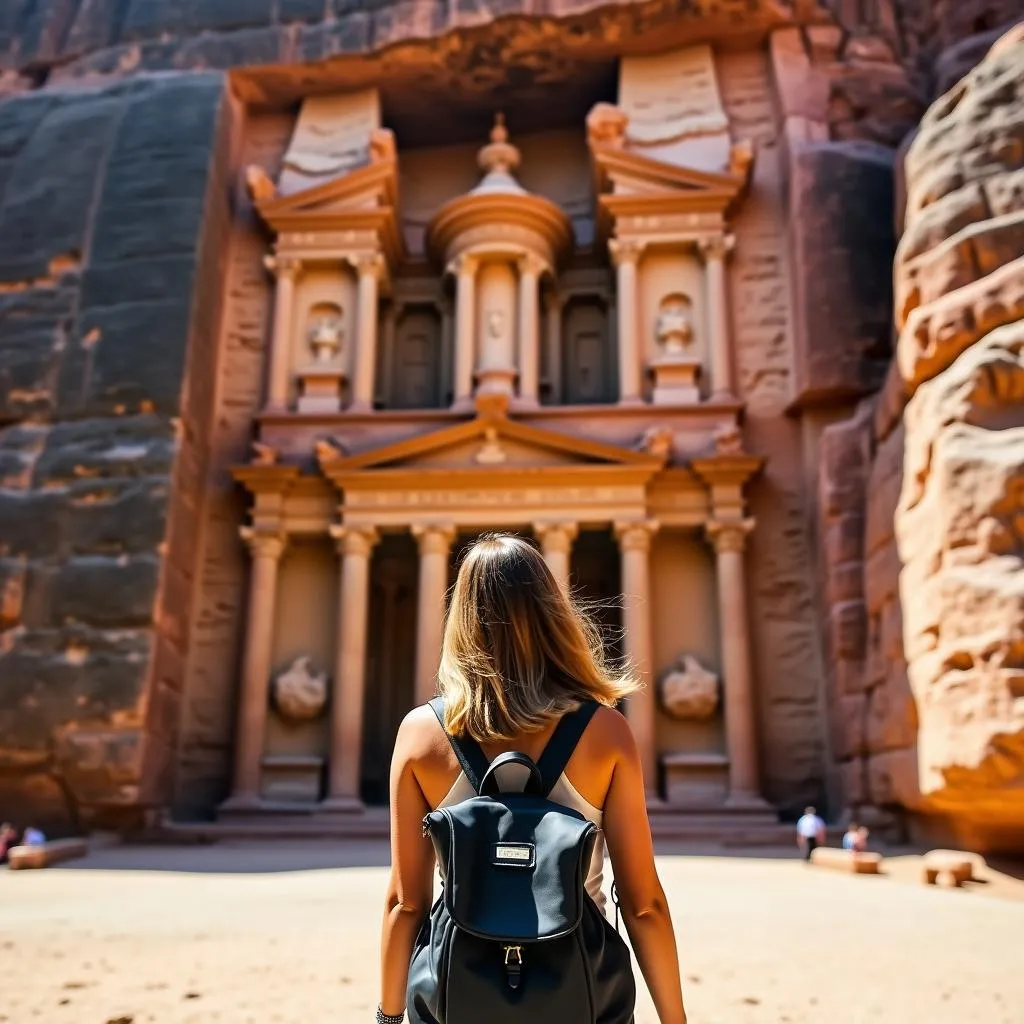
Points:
(275, 933)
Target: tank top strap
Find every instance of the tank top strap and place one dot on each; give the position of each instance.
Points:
(469, 753)
(563, 743)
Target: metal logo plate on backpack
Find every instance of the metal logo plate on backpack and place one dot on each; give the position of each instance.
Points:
(515, 855)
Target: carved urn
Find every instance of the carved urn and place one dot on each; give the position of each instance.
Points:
(689, 691)
(300, 694)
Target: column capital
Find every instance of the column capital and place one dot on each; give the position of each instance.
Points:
(729, 534)
(367, 263)
(529, 263)
(264, 543)
(625, 250)
(557, 536)
(635, 535)
(716, 247)
(465, 265)
(354, 540)
(283, 266)
(433, 538)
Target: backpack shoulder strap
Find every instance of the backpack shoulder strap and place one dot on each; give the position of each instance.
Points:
(563, 742)
(471, 757)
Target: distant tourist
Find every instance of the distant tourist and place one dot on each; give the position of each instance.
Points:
(8, 840)
(851, 837)
(862, 839)
(810, 832)
(32, 837)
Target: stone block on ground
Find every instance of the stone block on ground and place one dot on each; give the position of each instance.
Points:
(46, 854)
(856, 863)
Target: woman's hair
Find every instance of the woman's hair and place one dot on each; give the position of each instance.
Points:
(517, 652)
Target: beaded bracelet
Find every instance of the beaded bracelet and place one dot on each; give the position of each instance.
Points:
(389, 1018)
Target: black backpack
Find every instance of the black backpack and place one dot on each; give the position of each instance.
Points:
(514, 937)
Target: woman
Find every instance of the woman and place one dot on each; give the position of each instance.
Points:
(516, 656)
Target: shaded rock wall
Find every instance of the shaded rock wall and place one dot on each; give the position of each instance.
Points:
(110, 226)
(932, 716)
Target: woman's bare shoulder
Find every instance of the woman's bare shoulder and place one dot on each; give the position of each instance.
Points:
(420, 736)
(609, 734)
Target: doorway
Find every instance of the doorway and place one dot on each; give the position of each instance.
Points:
(391, 658)
(596, 582)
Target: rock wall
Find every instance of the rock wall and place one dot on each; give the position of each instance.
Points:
(931, 692)
(109, 280)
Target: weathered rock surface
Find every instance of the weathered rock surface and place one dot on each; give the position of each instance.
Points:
(942, 664)
(98, 256)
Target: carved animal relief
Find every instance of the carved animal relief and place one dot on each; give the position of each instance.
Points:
(690, 691)
(300, 694)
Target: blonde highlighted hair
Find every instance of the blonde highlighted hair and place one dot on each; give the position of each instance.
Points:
(517, 652)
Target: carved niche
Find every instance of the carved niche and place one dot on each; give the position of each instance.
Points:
(416, 359)
(689, 691)
(300, 694)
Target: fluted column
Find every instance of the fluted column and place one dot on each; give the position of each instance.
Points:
(286, 270)
(635, 551)
(465, 329)
(265, 548)
(626, 256)
(715, 250)
(556, 542)
(355, 547)
(729, 539)
(369, 269)
(530, 269)
(435, 543)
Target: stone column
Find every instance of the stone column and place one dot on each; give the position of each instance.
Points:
(265, 548)
(465, 330)
(554, 345)
(355, 546)
(556, 543)
(635, 549)
(714, 250)
(530, 269)
(435, 543)
(729, 539)
(369, 268)
(626, 256)
(286, 270)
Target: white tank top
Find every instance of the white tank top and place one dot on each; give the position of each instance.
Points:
(512, 778)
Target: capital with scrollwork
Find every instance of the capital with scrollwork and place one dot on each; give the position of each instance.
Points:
(354, 540)
(263, 542)
(729, 535)
(625, 250)
(532, 264)
(635, 536)
(716, 247)
(434, 538)
(367, 263)
(556, 537)
(465, 265)
(283, 266)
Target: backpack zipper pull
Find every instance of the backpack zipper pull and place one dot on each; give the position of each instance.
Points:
(514, 966)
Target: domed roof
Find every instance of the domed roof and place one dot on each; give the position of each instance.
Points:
(499, 214)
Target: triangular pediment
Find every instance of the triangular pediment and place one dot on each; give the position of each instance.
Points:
(489, 445)
(373, 187)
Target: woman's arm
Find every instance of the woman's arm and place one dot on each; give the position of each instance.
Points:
(644, 906)
(410, 890)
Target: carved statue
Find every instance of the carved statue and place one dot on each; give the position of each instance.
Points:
(327, 451)
(325, 337)
(689, 691)
(300, 694)
(495, 323)
(657, 441)
(606, 126)
(258, 183)
(491, 454)
(263, 454)
(674, 329)
(728, 440)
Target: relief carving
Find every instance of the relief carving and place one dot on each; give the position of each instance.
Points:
(300, 694)
(674, 327)
(325, 332)
(690, 692)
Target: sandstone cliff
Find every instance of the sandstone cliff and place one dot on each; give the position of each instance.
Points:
(930, 710)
